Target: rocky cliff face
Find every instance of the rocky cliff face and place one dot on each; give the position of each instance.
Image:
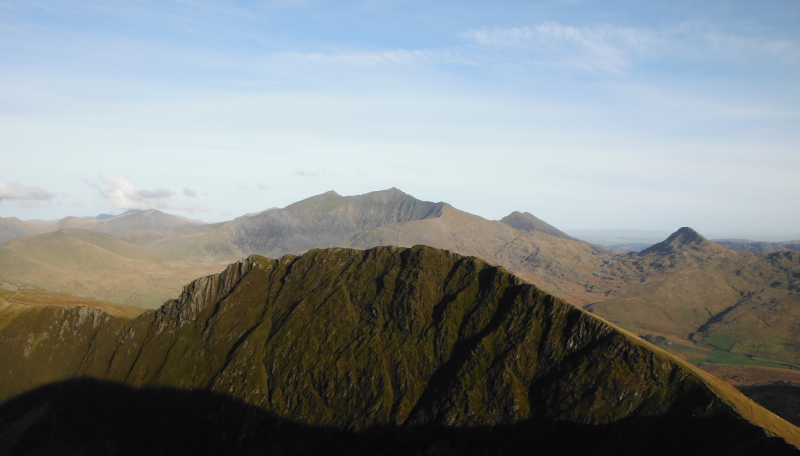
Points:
(359, 340)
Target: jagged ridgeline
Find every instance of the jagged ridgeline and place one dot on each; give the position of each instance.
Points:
(387, 351)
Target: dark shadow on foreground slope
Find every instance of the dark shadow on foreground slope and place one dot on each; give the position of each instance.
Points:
(780, 398)
(88, 417)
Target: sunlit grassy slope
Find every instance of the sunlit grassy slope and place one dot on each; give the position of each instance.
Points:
(100, 266)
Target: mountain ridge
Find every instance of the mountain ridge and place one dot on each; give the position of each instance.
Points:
(384, 337)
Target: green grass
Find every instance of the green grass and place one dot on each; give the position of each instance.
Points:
(683, 348)
(724, 357)
(719, 341)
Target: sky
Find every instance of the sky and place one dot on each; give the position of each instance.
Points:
(590, 115)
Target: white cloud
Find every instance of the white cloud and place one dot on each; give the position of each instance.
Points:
(189, 192)
(123, 194)
(17, 191)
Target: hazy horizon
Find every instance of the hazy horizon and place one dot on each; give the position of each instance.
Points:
(618, 115)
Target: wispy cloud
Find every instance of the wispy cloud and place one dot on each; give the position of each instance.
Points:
(257, 187)
(612, 48)
(189, 192)
(301, 173)
(17, 191)
(712, 42)
(123, 194)
(603, 48)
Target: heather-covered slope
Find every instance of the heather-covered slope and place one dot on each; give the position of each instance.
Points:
(349, 339)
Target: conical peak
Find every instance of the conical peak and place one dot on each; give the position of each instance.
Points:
(526, 221)
(683, 239)
(685, 235)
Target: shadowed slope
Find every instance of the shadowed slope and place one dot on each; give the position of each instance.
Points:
(116, 419)
(385, 337)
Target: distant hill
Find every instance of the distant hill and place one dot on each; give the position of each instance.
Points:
(12, 228)
(131, 221)
(526, 221)
(384, 351)
(748, 246)
(96, 265)
(128, 223)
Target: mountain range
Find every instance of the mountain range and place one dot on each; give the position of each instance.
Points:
(702, 302)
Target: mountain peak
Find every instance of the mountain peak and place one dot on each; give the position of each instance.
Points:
(526, 221)
(684, 239)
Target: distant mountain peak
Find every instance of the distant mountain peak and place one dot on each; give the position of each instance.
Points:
(685, 235)
(684, 239)
(526, 221)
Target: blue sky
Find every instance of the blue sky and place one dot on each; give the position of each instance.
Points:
(639, 115)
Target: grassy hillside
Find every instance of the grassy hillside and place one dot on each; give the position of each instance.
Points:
(12, 228)
(95, 265)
